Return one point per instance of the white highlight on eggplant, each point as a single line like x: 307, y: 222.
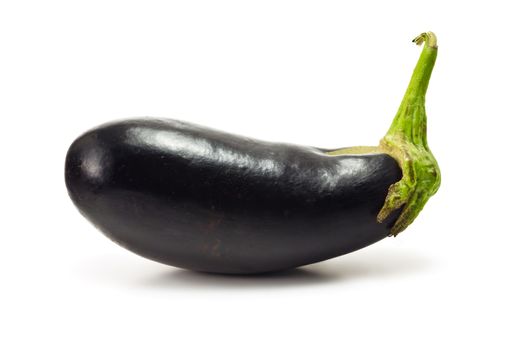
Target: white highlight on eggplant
x: 200, y: 150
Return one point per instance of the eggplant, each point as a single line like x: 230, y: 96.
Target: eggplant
x: 201, y: 199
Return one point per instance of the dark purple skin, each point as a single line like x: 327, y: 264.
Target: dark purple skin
x: 205, y: 200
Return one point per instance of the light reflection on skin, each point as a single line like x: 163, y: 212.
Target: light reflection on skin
x: 349, y: 167
x: 194, y: 148
x: 94, y: 164
x: 187, y: 144
x: 329, y: 178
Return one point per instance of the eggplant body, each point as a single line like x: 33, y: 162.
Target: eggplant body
x: 205, y: 200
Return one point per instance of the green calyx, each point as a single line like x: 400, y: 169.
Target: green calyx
x: 406, y: 142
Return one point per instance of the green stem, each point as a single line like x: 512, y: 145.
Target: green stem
x: 405, y: 122
x: 406, y: 141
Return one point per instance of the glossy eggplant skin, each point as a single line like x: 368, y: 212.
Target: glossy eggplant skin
x: 205, y: 200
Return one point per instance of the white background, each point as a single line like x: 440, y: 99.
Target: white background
x: 324, y: 73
